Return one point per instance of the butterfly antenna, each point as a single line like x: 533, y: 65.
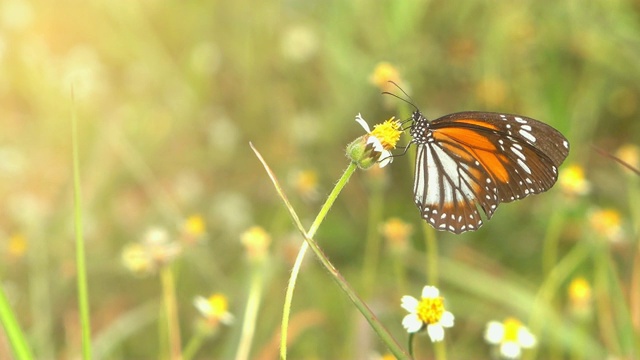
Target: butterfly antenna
x: 410, y: 101
x: 616, y: 159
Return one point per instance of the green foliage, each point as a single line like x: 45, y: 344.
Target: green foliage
x: 168, y: 95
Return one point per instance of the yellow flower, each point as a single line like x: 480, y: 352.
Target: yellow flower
x: 137, y: 259
x: 580, y: 296
x: 383, y: 74
x: 607, y: 223
x: 306, y: 184
x: 215, y: 309
x: 573, y: 182
x: 630, y: 154
x: 427, y: 312
x: 194, y: 229
x: 397, y: 233
x: 154, y: 251
x: 511, y: 335
x: 375, y: 146
x: 17, y: 245
x: 256, y: 240
x: 299, y: 43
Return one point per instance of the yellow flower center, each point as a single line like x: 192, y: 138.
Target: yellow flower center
x: 430, y: 310
x: 219, y: 305
x: 629, y: 154
x: 383, y: 73
x: 573, y: 181
x: 397, y: 232
x: 579, y: 290
x: 195, y: 225
x: 511, y: 328
x: 256, y: 240
x: 606, y: 222
x: 17, y: 245
x: 388, y: 133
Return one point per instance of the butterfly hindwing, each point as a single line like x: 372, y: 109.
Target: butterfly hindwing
x: 472, y: 159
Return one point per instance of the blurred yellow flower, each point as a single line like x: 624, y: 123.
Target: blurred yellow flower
x: 511, y: 336
x: 607, y: 223
x: 629, y: 154
x: 387, y: 356
x: 256, y: 240
x: 305, y: 182
x: 17, y: 245
x: 137, y: 260
x: 153, y: 252
x: 397, y: 233
x: 194, y: 229
x: 214, y: 309
x: 383, y: 73
x: 299, y: 43
x: 573, y: 182
x: 580, y: 297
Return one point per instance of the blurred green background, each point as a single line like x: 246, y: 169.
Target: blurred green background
x: 168, y: 95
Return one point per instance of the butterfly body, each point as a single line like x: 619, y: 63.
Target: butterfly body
x: 468, y: 160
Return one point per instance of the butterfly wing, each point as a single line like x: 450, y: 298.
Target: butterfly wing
x: 476, y: 158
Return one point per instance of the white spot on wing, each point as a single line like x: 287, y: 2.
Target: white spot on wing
x: 518, y: 153
x: 527, y: 135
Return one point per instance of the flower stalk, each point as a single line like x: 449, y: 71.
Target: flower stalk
x: 392, y: 344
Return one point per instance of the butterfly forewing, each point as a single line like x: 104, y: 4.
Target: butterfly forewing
x: 470, y: 159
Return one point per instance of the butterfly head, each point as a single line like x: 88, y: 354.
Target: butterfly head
x: 419, y: 126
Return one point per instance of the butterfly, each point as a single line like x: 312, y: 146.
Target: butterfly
x: 476, y: 159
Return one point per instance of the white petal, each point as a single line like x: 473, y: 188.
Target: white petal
x: 387, y: 158
x: 412, y: 323
x: 510, y: 350
x: 377, y: 145
x: 409, y: 303
x: 430, y: 292
x: 447, y: 319
x: 363, y: 123
x: 203, y: 306
x: 494, y: 332
x: 436, y: 332
x: 526, y: 338
x: 227, y: 318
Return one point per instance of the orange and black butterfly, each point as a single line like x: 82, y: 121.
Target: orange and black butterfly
x: 470, y: 159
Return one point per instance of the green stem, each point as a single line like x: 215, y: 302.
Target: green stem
x: 410, y: 343
x: 303, y: 249
x: 551, y: 241
x: 251, y: 311
x: 171, y: 310
x: 440, y: 350
x: 431, y: 245
x: 193, y: 345
x: 83, y: 293
x: 551, y: 285
x: 384, y: 335
x: 12, y: 330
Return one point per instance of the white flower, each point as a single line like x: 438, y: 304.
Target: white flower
x: 428, y: 311
x: 511, y: 335
x: 214, y: 309
x: 385, y: 155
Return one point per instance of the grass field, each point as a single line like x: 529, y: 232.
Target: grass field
x: 180, y: 247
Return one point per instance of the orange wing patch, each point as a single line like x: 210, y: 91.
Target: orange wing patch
x: 477, y: 123
x: 477, y: 147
